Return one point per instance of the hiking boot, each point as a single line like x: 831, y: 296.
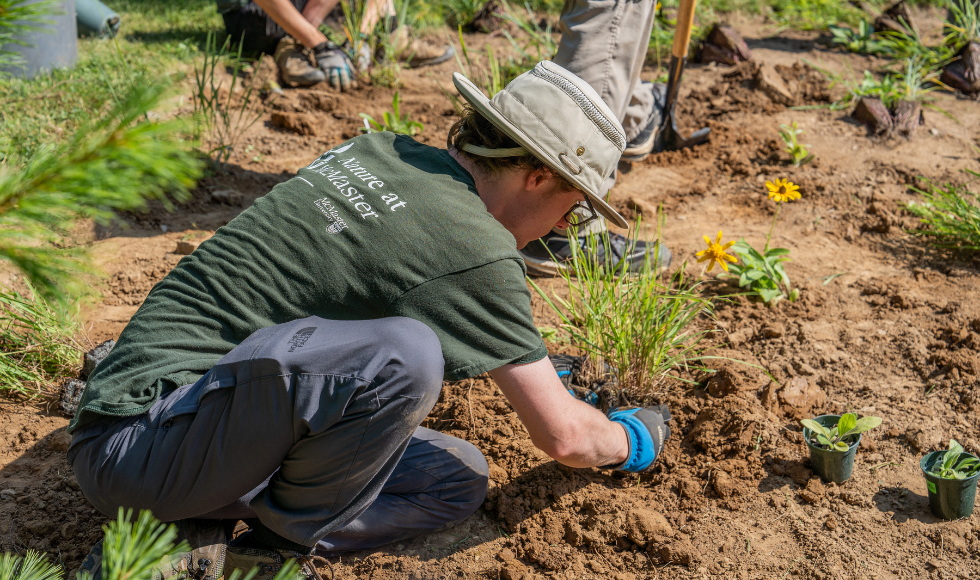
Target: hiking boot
x: 205, y: 561
x: 268, y: 560
x: 417, y: 52
x: 642, y: 145
x: 550, y: 255
x: 296, y: 66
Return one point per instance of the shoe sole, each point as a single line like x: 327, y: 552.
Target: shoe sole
x: 432, y: 61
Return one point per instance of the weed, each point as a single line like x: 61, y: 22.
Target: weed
x: 357, y: 42
x: 392, y: 121
x: 964, y: 26
x: 222, y: 123
x: 951, y: 466
x: 916, y: 79
x: 37, y: 342
x: 813, y: 14
x: 763, y: 272
x: 800, y: 154
x: 624, y: 316
x: 951, y: 214
x: 848, y: 426
x: 460, y: 12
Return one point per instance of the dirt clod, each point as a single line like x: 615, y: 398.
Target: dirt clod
x: 873, y: 113
x: 772, y: 84
x: 644, y: 526
x: 302, y: 123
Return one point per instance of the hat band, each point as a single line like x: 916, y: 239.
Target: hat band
x: 486, y: 152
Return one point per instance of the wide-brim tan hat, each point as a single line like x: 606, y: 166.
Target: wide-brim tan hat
x: 560, y: 119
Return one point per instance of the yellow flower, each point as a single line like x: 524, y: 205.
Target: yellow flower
x: 716, y: 253
x: 782, y: 190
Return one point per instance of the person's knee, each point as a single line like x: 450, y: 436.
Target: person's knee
x: 414, y: 356
x: 473, y: 487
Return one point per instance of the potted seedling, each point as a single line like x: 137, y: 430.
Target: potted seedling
x: 951, y: 477
x: 833, y: 440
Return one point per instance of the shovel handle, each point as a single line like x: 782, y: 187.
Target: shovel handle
x: 682, y: 30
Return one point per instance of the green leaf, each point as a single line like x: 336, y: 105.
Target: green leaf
x: 824, y: 440
x: 954, y: 445
x: 768, y: 295
x: 847, y: 422
x: 776, y: 252
x: 817, y: 428
x: 754, y: 275
x: 841, y: 446
x: 866, y: 424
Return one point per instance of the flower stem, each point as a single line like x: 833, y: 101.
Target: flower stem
x: 778, y: 205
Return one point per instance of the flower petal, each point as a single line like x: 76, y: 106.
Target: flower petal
x: 707, y: 240
x: 718, y: 241
x: 723, y: 265
x: 728, y: 245
x: 703, y: 258
x: 701, y: 253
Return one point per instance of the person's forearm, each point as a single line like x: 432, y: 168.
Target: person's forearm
x: 589, y: 439
x: 316, y: 10
x: 295, y: 25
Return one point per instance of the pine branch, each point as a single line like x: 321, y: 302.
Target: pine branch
x: 17, y: 17
x: 113, y: 164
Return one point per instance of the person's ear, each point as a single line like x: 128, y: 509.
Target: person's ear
x: 537, y: 178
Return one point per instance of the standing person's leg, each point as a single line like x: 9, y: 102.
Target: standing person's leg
x: 605, y: 43
x: 328, y: 407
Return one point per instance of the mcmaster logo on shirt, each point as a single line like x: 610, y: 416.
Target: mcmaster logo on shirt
x: 300, y: 338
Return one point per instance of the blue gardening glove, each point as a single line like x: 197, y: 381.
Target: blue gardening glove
x: 568, y: 368
x: 647, y: 430
x: 336, y: 65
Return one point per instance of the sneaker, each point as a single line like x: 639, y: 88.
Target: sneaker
x: 642, y: 145
x: 296, y: 66
x: 268, y: 561
x: 417, y: 52
x: 209, y: 539
x: 549, y: 255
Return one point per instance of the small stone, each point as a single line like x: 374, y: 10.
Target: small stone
x: 94, y: 357
x: 644, y: 526
x: 7, y: 495
x: 677, y: 552
x: 772, y: 84
x: 506, y: 555
x: 186, y: 248
x: 71, y: 394
x: 230, y: 197
x: 774, y: 330
x: 724, y: 485
x: 831, y: 523
x: 60, y: 441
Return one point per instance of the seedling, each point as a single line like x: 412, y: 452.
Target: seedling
x: 847, y: 427
x: 948, y: 468
x: 950, y: 214
x: 392, y: 121
x: 800, y: 153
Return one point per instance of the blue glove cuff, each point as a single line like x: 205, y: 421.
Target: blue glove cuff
x: 642, y: 451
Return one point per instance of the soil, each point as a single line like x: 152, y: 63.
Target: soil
x: 886, y: 325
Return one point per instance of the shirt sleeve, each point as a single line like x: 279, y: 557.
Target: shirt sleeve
x: 482, y: 317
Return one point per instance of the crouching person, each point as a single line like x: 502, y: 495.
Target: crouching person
x: 279, y: 374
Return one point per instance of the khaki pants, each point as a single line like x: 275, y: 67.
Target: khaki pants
x: 605, y: 43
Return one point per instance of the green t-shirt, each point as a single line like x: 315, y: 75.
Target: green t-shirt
x: 380, y: 226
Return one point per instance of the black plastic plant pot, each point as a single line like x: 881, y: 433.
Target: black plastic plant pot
x: 835, y: 466
x: 949, y: 499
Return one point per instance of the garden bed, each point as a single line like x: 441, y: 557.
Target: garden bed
x: 885, y: 325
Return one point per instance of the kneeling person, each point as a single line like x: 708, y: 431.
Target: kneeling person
x: 279, y: 374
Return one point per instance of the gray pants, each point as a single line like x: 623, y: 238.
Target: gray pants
x: 312, y: 427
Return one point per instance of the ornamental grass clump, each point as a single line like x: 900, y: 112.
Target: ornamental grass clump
x: 626, y: 317
x: 762, y: 273
x: 950, y: 214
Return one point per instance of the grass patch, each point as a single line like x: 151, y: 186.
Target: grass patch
x: 627, y: 318
x: 38, y: 347
x: 950, y: 214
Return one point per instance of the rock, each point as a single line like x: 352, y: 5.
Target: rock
x: 677, y: 552
x: 801, y: 395
x: 60, y: 441
x: 230, y: 197
x: 898, y: 19
x: 872, y: 112
x: 724, y: 45
x: 963, y: 74
x: 924, y: 439
x: 773, y: 330
x: 799, y: 474
x: 723, y: 383
x: 318, y: 101
x: 302, y: 123
x: 8, y: 495
x: 724, y: 485
x: 71, y: 394
x: 831, y: 523
x: 185, y: 248
x: 644, y: 526
x: 907, y: 117
x: 772, y: 84
x: 645, y: 208
x: 93, y: 357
